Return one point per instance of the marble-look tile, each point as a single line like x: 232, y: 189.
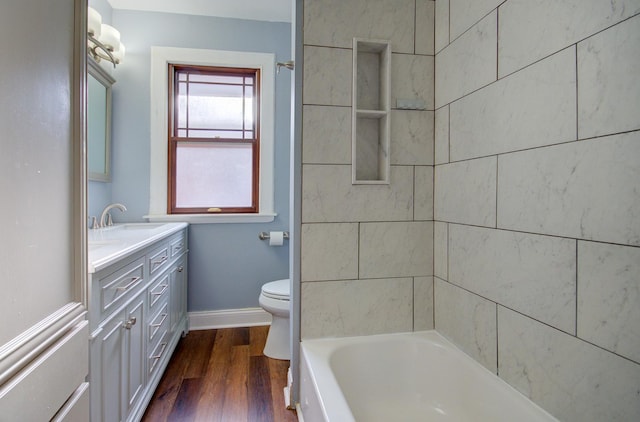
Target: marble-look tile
x: 441, y: 135
x: 327, y: 76
x: 369, y: 83
x: 423, y: 193
x: 412, y: 78
x: 609, y: 297
x: 425, y: 20
x: 422, y: 303
x: 335, y: 23
x: 571, y: 379
x: 329, y: 251
x: 411, y: 137
x: 326, y: 135
x: 532, y: 274
x: 397, y: 249
x: 608, y: 83
x: 356, y: 307
x: 441, y: 250
x: 586, y: 190
x: 533, y: 107
x: 468, y: 63
x: 465, y: 192
x: 329, y: 196
x: 441, y: 36
x: 466, y: 13
x: 369, y: 148
x: 469, y: 321
x: 530, y: 30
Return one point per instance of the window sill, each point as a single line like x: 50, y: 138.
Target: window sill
x: 212, y: 218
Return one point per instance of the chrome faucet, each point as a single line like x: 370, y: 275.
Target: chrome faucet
x: 105, y: 218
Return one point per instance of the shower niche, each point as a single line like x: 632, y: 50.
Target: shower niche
x: 371, y: 111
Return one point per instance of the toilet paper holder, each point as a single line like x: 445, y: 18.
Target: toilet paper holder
x: 265, y: 235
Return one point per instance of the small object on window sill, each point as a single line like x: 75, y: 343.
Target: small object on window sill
x: 215, y: 209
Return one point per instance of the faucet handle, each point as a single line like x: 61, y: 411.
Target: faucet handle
x: 109, y: 219
x: 94, y: 223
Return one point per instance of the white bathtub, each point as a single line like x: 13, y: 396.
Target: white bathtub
x: 403, y: 377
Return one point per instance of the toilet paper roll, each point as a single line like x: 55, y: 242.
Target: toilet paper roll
x: 276, y: 238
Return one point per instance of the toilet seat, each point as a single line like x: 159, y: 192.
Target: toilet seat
x: 278, y: 289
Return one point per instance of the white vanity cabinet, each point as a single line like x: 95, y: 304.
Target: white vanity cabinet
x: 137, y: 314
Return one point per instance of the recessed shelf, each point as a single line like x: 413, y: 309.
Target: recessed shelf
x: 371, y: 111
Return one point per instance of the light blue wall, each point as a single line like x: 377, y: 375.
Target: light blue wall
x: 227, y: 262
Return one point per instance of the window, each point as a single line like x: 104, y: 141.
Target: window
x: 214, y: 139
x: 160, y: 124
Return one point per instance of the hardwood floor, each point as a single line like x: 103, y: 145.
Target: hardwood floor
x: 222, y: 375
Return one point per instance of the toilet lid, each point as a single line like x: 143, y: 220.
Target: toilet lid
x: 278, y: 289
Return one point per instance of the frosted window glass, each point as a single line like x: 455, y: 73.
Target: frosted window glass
x: 215, y: 106
x: 206, y: 172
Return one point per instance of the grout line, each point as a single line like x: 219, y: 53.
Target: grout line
x: 497, y: 43
x: 497, y: 343
x: 449, y: 41
x: 576, y: 327
x: 415, y: 24
x: 413, y: 182
x: 449, y: 133
x: 358, y: 251
x: 433, y: 300
x: 547, y: 146
x: 497, y: 179
x: 577, y: 99
x: 413, y: 303
x: 448, y: 250
x: 538, y: 234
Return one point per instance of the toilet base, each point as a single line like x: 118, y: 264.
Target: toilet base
x: 277, y: 345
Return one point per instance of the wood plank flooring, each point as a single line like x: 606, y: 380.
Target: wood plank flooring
x: 222, y: 375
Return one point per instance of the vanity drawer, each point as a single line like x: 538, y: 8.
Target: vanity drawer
x: 158, y: 353
x: 118, y: 285
x: 158, y: 293
x: 158, y: 259
x: 159, y: 324
x: 178, y: 245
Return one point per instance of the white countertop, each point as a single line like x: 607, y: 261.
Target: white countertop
x: 107, y: 245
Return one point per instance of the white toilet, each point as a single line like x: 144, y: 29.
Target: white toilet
x: 274, y: 299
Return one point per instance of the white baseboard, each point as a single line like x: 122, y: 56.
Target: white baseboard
x: 228, y: 318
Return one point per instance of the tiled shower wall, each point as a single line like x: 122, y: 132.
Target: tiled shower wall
x: 366, y: 250
x: 537, y: 197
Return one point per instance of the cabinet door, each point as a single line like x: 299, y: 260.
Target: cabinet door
x: 178, y: 294
x: 134, y: 352
x: 112, y: 366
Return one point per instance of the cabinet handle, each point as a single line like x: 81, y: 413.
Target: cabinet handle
x: 164, y: 316
x: 159, y: 261
x: 180, y: 268
x: 159, y: 355
x: 164, y: 289
x: 130, y: 323
x: 133, y: 281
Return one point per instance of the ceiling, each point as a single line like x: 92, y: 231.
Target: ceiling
x: 262, y: 10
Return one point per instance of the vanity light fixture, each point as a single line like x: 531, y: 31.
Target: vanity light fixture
x: 103, y: 41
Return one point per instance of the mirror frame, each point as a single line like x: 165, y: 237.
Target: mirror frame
x: 106, y: 80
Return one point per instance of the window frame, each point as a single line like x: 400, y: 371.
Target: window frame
x: 159, y: 127
x: 173, y: 140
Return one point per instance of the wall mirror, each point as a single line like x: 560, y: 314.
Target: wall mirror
x: 99, y: 85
